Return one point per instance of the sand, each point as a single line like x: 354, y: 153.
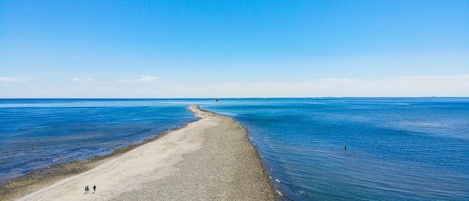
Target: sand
x: 209, y: 159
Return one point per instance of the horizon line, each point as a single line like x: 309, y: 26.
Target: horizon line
x: 169, y: 98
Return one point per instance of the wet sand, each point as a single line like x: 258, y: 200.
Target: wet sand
x: 209, y: 159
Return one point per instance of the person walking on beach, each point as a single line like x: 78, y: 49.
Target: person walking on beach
x: 86, y: 189
x: 94, y: 188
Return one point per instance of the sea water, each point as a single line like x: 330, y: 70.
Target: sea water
x: 360, y: 148
x: 38, y: 133
x: 312, y: 148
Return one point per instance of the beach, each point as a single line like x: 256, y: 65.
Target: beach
x: 209, y: 159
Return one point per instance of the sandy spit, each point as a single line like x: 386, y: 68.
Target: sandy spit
x: 209, y: 159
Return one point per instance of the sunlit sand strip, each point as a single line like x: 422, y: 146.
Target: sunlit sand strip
x: 209, y: 159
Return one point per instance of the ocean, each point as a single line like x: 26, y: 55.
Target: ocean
x: 360, y: 148
x: 38, y: 133
x: 312, y: 148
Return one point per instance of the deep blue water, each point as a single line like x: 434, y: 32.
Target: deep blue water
x: 35, y: 134
x: 397, y: 148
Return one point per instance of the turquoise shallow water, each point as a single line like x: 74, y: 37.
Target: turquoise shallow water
x: 397, y: 148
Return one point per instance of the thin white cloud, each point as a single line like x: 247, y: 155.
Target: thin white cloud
x: 84, y: 81
x: 147, y: 78
x: 139, y: 79
x: 410, y: 86
x: 5, y: 79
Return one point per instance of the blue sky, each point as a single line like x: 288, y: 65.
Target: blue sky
x: 233, y: 48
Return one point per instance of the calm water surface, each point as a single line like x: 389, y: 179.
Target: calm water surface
x: 35, y: 134
x: 397, y: 149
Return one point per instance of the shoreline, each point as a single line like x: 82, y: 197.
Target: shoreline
x: 277, y: 193
x: 35, y: 180
x: 197, y: 157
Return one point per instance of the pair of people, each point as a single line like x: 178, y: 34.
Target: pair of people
x: 87, y: 189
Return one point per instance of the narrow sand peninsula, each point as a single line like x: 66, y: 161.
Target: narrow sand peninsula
x: 209, y: 159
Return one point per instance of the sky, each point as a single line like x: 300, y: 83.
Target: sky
x: 236, y: 48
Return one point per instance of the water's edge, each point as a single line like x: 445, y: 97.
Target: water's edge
x: 37, y: 179
x: 258, y: 157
